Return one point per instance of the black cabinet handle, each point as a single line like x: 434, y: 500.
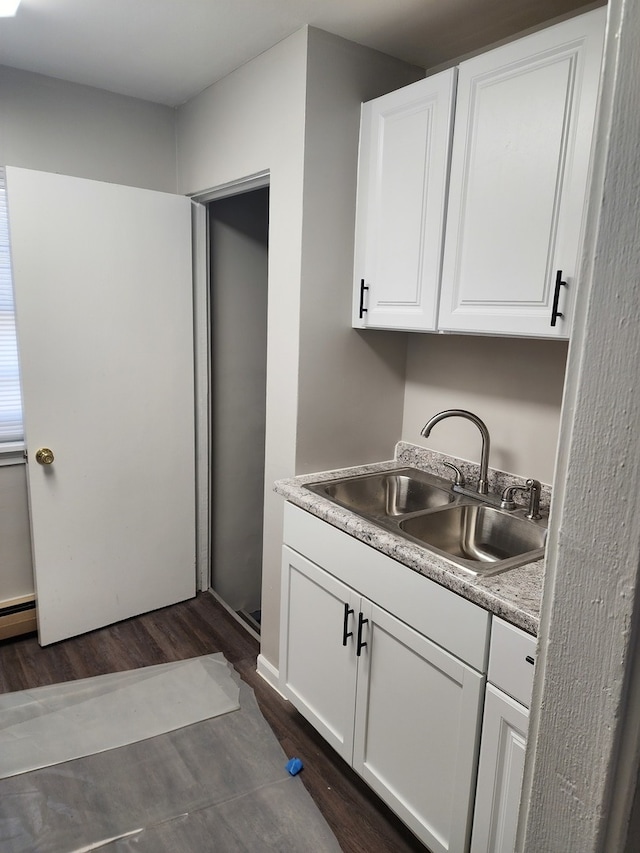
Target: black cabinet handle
x: 363, y: 310
x: 345, y: 625
x: 530, y: 660
x: 361, y: 623
x: 556, y: 296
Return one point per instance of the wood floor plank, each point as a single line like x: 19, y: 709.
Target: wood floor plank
x: 359, y: 820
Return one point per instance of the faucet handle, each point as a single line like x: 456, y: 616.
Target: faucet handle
x: 533, y: 488
x: 459, y: 480
x: 507, y: 501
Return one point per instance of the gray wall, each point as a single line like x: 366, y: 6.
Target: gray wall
x: 291, y: 113
x: 16, y: 571
x: 514, y: 385
x: 294, y: 111
x: 55, y: 126
x: 239, y: 230
x: 249, y: 122
x: 343, y: 373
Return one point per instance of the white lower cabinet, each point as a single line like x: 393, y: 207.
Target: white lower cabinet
x: 400, y: 708
x: 504, y: 739
x: 319, y: 672
x: 416, y: 720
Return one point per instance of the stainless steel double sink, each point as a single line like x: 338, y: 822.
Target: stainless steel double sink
x: 422, y: 508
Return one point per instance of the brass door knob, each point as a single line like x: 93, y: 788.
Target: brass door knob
x: 44, y: 456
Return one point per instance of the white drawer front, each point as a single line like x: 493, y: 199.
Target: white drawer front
x: 511, y: 660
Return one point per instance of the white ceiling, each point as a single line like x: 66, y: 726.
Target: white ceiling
x: 169, y: 50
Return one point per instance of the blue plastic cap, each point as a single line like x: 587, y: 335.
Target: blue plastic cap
x: 293, y: 766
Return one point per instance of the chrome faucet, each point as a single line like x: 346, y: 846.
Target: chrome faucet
x: 482, y: 487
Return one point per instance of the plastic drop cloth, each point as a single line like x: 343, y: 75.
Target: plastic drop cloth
x: 52, y: 724
x: 215, y: 785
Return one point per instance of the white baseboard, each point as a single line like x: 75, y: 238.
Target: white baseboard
x: 270, y: 674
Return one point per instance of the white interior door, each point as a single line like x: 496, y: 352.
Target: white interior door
x: 104, y: 310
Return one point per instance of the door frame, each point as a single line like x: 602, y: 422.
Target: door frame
x: 202, y: 358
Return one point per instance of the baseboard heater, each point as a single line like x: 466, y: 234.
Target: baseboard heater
x: 17, y: 616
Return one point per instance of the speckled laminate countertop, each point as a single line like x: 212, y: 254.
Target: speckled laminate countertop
x: 514, y: 595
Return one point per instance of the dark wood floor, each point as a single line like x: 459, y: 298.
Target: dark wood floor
x: 361, y: 823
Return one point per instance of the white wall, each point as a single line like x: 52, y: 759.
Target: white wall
x: 514, y: 385
x: 54, y: 126
x: 50, y: 125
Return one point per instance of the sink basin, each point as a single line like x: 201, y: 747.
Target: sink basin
x: 422, y: 508
x: 391, y: 493
x: 480, y: 538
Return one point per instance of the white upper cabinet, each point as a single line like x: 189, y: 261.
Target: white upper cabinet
x: 518, y: 179
x: 519, y: 172
x: 405, y: 139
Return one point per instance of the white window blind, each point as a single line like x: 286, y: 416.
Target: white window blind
x: 10, y: 398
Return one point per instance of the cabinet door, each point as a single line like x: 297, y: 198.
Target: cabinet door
x: 504, y: 736
x: 402, y: 183
x: 416, y: 730
x: 317, y: 649
x: 519, y: 172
